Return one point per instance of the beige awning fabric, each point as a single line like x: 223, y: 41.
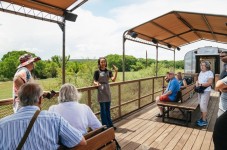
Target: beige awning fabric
x: 178, y: 28
x: 56, y: 7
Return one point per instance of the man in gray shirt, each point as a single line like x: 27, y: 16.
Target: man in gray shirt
x: 221, y: 85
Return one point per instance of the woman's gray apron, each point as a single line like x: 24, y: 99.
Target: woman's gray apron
x: 104, y: 89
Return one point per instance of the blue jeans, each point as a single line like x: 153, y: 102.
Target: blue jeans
x: 105, y: 114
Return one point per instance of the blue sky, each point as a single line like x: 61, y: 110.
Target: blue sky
x: 104, y: 7
x: 98, y: 29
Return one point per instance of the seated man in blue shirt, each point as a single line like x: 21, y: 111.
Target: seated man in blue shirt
x: 170, y: 92
x: 48, y: 130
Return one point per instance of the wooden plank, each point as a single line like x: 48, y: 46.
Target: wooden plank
x: 156, y: 135
x: 176, y: 139
x: 214, y: 114
x: 191, y: 140
x: 111, y: 146
x: 183, y: 139
x: 144, y: 132
x: 94, y: 132
x: 127, y: 127
x: 151, y: 132
x: 98, y: 141
x: 212, y: 145
x: 123, y: 137
x: 207, y: 141
x: 165, y: 142
x: 128, y: 138
x: 199, y: 140
x: 131, y: 146
x: 161, y: 138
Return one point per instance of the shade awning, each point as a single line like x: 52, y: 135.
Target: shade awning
x: 177, y: 28
x: 55, y: 7
x: 48, y: 10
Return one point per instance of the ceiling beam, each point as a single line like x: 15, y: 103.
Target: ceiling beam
x: 175, y: 35
x: 209, y: 27
x: 187, y: 24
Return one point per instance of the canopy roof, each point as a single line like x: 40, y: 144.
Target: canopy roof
x: 48, y: 10
x: 177, y: 28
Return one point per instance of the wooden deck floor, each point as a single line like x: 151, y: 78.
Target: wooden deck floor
x: 143, y: 131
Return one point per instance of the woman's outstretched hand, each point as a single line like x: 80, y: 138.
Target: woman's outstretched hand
x: 115, y: 68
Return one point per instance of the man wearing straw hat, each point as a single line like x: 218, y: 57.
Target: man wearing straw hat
x: 23, y: 75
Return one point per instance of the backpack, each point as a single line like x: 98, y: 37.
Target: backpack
x: 188, y: 80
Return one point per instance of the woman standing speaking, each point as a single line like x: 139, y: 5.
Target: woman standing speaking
x: 101, y: 79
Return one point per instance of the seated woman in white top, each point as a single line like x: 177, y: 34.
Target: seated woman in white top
x: 80, y: 116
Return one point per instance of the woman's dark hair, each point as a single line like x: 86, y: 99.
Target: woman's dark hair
x: 100, y: 60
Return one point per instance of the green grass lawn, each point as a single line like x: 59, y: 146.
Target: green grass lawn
x: 6, y: 88
x: 55, y: 83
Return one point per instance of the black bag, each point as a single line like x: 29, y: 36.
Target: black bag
x: 199, y: 89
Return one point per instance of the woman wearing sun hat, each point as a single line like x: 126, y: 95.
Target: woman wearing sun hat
x: 23, y: 75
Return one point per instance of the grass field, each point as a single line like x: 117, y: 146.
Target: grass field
x: 55, y: 83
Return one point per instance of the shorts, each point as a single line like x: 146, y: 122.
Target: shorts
x: 164, y: 98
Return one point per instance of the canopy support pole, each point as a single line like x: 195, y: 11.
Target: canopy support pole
x: 174, y: 60
x: 63, y: 53
x: 123, y: 59
x: 62, y: 26
x: 156, y: 69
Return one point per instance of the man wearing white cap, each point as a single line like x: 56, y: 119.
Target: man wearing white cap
x: 23, y: 75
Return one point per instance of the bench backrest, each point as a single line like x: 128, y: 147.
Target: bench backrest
x: 187, y: 92
x: 101, y: 138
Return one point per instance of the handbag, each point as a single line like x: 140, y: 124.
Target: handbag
x: 19, y: 147
x: 199, y: 89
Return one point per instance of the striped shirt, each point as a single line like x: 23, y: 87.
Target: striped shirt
x: 48, y: 130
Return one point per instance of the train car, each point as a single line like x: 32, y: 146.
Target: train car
x: 193, y: 58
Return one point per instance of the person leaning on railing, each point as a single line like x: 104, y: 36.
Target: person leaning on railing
x: 23, y: 75
x: 80, y: 116
x: 48, y: 131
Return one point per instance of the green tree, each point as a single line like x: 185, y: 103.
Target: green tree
x: 10, y: 62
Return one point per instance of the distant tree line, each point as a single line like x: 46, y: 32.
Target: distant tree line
x: 74, y: 69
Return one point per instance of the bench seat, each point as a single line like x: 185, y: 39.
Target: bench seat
x: 186, y: 104
x: 102, y: 138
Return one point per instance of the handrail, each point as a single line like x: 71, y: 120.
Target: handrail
x: 127, y: 96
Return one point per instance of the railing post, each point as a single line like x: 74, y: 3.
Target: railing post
x: 119, y: 100
x: 153, y: 89
x: 89, y: 99
x: 139, y: 95
x: 163, y: 84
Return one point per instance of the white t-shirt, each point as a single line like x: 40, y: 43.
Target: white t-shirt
x: 80, y: 116
x: 204, y: 77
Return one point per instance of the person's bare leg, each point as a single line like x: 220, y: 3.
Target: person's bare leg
x: 204, y: 114
x: 160, y: 108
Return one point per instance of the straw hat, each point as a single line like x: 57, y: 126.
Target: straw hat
x: 27, y: 59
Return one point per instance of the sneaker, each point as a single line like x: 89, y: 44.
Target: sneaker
x: 198, y: 121
x: 202, y: 123
x: 158, y: 115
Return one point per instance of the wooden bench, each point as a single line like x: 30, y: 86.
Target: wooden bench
x: 187, y: 103
x: 102, y: 139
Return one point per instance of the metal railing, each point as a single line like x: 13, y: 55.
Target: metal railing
x: 127, y: 97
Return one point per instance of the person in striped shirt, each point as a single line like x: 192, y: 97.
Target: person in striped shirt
x: 49, y: 130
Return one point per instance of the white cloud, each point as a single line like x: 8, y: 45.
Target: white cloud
x: 94, y: 36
